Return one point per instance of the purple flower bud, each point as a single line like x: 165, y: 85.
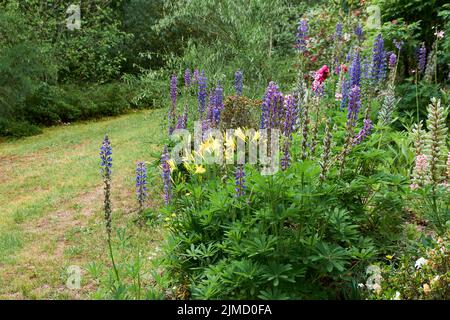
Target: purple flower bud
x: 166, y: 175
x: 202, y: 83
x: 141, y: 183
x: 196, y: 76
x: 240, y: 181
x: 364, y: 132
x: 392, y: 59
x: 398, y: 44
x: 338, y: 33
x: 302, y: 35
x: 182, y: 120
x: 422, y: 58
x: 378, y: 60
x: 173, y: 97
x: 272, y: 107
x: 345, y: 90
x: 106, y: 157
x: 238, y: 82
x: 359, y: 32
x: 355, y: 70
x: 187, y: 78
x: 354, y: 104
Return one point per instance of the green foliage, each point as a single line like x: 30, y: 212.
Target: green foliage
x: 292, y: 236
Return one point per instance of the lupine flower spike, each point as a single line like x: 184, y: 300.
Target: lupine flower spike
x: 359, y: 32
x: 202, y: 83
x: 238, y: 82
x: 378, y: 69
x: 106, y: 164
x: 422, y: 59
x: 141, y: 184
x: 187, y: 78
x: 272, y: 107
x: 173, y: 99
x: 302, y: 36
x: 167, y: 181
x: 240, y: 181
x: 436, y: 140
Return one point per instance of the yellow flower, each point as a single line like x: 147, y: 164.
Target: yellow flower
x: 215, y: 145
x: 240, y: 134
x: 172, y: 165
x: 256, y: 136
x: 200, y: 169
x: 229, y: 142
x: 205, y: 146
x: 389, y: 257
x: 426, y: 288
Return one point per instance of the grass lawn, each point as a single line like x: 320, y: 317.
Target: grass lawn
x: 51, y: 202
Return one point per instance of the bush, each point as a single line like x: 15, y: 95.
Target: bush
x: 17, y: 129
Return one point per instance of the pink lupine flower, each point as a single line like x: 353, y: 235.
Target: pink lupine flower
x: 421, y: 164
x: 319, y: 78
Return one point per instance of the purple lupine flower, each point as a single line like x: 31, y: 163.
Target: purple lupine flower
x: 366, y: 68
x: 106, y: 164
x: 392, y: 59
x: 173, y: 98
x: 187, y: 78
x: 218, y: 104
x: 364, y: 132
x: 202, y: 83
x: 141, y: 184
x: 106, y: 157
x: 272, y: 107
x: 182, y: 120
x: 240, y: 181
x: 355, y: 71
x: 302, y: 35
x: 348, y: 56
x: 166, y: 175
x: 354, y: 104
x: 290, y: 115
x: 345, y: 90
x: 378, y: 60
x: 337, y: 68
x: 238, y: 82
x: 196, y: 76
x: 359, y: 32
x: 206, y: 125
x: 338, y: 32
x: 290, y: 120
x: 422, y: 58
x: 286, y: 158
x: 214, y: 108
x: 398, y: 44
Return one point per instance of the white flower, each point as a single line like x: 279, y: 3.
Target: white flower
x: 377, y: 288
x: 361, y: 285
x: 420, y: 262
x: 434, y: 281
x: 439, y: 34
x: 396, y: 296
